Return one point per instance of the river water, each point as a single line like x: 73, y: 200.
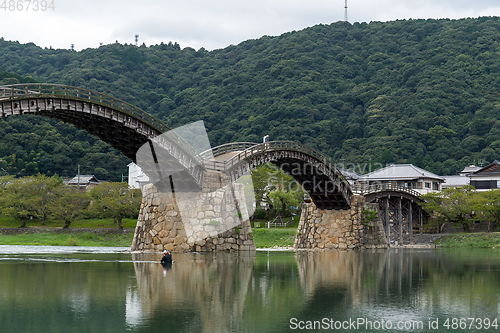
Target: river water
x: 74, y: 289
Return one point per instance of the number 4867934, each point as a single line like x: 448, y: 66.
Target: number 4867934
x: 27, y: 5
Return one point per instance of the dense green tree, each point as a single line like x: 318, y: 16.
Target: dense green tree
x: 115, y: 200
x: 452, y: 205
x: 69, y: 205
x: 486, y: 206
x: 282, y: 200
x: 20, y: 199
x: 44, y: 191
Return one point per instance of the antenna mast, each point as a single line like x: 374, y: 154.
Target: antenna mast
x: 345, y: 14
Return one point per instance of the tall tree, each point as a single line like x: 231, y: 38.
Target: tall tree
x: 19, y: 199
x: 115, y: 200
x: 453, y: 205
x: 69, y: 204
x: 45, y: 191
x: 486, y: 206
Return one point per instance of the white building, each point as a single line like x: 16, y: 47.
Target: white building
x: 136, y: 177
x: 455, y: 181
x: 462, y: 179
x: 404, y: 175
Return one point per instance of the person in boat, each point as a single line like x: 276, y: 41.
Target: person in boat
x: 167, y: 258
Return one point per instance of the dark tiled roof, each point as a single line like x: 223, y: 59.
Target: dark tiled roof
x: 493, y: 168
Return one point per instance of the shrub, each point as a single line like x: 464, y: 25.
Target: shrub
x: 260, y: 213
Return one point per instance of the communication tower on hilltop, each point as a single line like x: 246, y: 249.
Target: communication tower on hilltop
x: 345, y: 14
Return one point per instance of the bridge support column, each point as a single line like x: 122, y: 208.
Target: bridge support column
x: 177, y: 222
x: 339, y: 229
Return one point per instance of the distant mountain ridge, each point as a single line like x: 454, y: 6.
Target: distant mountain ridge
x: 412, y: 91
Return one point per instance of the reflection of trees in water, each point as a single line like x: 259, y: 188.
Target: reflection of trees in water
x: 275, y: 292
x: 466, y: 281
x: 419, y: 281
x: 348, y: 275
x: 63, y: 296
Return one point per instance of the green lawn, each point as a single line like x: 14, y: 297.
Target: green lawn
x: 65, y: 239
x: 68, y: 239
x: 263, y: 237
x: 279, y: 237
x: 475, y: 240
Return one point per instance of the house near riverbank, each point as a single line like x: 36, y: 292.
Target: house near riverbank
x: 84, y: 182
x: 404, y: 175
x: 486, y: 178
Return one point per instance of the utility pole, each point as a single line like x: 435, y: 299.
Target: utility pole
x: 345, y: 13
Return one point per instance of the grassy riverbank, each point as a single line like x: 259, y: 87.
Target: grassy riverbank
x: 51, y: 234
x: 274, y: 237
x: 264, y: 238
x: 69, y: 239
x: 474, y: 240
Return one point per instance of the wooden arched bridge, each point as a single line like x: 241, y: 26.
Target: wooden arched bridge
x: 128, y: 128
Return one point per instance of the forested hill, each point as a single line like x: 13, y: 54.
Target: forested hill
x: 420, y: 91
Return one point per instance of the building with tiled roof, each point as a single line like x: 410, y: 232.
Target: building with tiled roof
x: 86, y: 182
x: 486, y: 178
x: 406, y: 175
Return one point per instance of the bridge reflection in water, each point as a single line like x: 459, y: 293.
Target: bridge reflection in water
x: 242, y: 292
x: 262, y: 292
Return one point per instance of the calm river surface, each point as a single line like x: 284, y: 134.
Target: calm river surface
x: 66, y: 289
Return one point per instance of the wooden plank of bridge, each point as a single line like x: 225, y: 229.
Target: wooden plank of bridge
x: 409, y: 222
x: 420, y: 220
x: 400, y: 219
x: 386, y: 218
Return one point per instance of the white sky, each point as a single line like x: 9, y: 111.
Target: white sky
x: 210, y: 24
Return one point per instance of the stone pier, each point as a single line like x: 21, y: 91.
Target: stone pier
x: 215, y: 219
x: 339, y: 229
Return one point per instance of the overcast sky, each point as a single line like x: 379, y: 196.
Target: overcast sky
x: 211, y: 24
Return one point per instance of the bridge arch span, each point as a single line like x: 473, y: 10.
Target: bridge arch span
x: 115, y: 122
x: 399, y: 209
x: 325, y: 184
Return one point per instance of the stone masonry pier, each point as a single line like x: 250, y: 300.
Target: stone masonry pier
x: 215, y: 219
x: 339, y: 229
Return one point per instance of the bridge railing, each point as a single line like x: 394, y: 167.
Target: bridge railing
x: 278, y: 145
x: 18, y: 91
x: 254, y: 148
x: 227, y: 148
x: 365, y: 189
